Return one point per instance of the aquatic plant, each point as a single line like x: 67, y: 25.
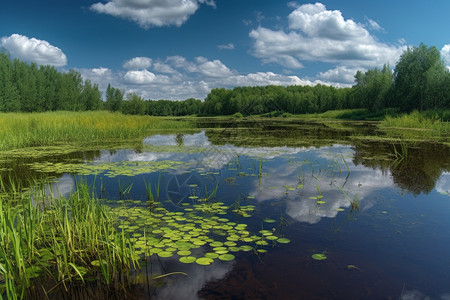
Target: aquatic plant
x: 319, y: 256
x: 61, y: 242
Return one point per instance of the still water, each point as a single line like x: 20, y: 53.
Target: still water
x: 376, y: 212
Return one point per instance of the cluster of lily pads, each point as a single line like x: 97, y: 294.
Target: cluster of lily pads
x: 109, y: 169
x: 198, y: 233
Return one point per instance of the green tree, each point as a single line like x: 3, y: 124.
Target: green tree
x: 415, y: 75
x: 134, y: 105
x: 90, y: 98
x: 372, y: 88
x: 9, y: 97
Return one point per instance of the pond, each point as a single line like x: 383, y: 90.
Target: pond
x: 283, y: 210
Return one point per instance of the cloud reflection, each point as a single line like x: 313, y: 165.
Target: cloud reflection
x: 322, y: 174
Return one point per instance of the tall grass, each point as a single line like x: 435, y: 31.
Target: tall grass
x: 416, y: 120
x: 60, y: 242
x: 19, y: 130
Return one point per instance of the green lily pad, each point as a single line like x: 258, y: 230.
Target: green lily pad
x: 187, y: 259
x: 211, y: 255
x: 226, y: 257
x: 283, y: 240
x: 269, y: 220
x: 204, y: 261
x: 165, y: 254
x: 246, y: 248
x: 319, y: 256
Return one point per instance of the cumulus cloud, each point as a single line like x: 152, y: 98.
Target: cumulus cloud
x: 34, y: 50
x: 139, y: 77
x: 320, y: 35
x: 316, y: 21
x: 213, y: 68
x: 138, y: 63
x: 340, y: 75
x: 228, y: 46
x: 151, y: 12
x: 163, y: 68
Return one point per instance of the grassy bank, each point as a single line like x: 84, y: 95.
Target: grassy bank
x: 19, y: 130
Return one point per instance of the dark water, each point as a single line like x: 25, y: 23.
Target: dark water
x: 394, y: 244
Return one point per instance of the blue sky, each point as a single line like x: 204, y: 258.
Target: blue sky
x: 176, y: 49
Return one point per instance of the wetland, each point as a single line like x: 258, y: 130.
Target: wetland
x: 250, y: 208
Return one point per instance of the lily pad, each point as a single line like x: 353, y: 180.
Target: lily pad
x: 204, y: 261
x: 187, y: 259
x: 226, y: 257
x: 283, y: 240
x: 319, y: 256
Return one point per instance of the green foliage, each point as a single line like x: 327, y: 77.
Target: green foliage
x: 418, y: 120
x: 372, y: 88
x: 421, y: 80
x: 114, y: 99
x: 30, y: 88
x: 134, y: 105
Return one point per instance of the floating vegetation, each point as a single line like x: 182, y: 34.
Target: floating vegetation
x: 177, y: 233
x: 124, y: 168
x: 319, y: 256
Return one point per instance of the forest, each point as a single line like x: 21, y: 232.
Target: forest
x: 419, y: 81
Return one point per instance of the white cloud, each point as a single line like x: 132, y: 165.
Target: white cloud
x: 374, y: 25
x: 316, y: 21
x: 138, y: 63
x: 402, y: 41
x: 320, y: 35
x: 293, y: 4
x: 445, y: 52
x: 267, y: 78
x: 163, y: 68
x: 228, y: 46
x: 101, y: 71
x: 34, y: 50
x: 152, y: 12
x: 139, y: 77
x: 341, y: 74
x: 213, y: 68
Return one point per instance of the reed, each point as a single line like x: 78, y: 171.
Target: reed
x: 19, y: 130
x: 60, y: 241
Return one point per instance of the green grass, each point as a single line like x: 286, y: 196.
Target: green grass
x: 417, y: 120
x: 18, y: 130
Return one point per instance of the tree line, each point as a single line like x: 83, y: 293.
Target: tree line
x: 420, y: 81
x: 29, y: 88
